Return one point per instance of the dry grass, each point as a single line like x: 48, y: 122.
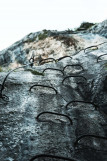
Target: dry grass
x: 69, y: 41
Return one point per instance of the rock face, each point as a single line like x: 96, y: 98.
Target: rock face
x: 100, y: 28
x: 48, y: 43
x: 61, y: 113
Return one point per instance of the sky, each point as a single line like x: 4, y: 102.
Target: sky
x: 21, y: 17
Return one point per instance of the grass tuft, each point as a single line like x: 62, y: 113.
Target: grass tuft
x: 35, y: 72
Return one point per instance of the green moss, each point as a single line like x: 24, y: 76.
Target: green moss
x: 35, y: 72
x: 105, y: 66
x: 1, y: 70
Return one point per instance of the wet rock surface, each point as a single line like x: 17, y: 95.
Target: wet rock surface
x: 62, y: 113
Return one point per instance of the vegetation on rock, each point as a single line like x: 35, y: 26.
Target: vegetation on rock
x: 43, y: 35
x: 69, y: 41
x: 1, y: 69
x: 35, y: 72
x: 85, y: 26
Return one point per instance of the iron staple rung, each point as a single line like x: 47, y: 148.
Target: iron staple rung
x: 54, y: 113
x: 51, y: 156
x: 53, y: 69
x: 43, y: 86
x: 3, y: 83
x: 84, y: 136
x: 78, y: 76
x: 96, y: 107
x: 100, y: 57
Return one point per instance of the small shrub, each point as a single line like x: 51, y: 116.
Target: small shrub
x: 69, y: 31
x: 85, y: 26
x: 30, y: 40
x: 43, y: 35
x: 69, y: 41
